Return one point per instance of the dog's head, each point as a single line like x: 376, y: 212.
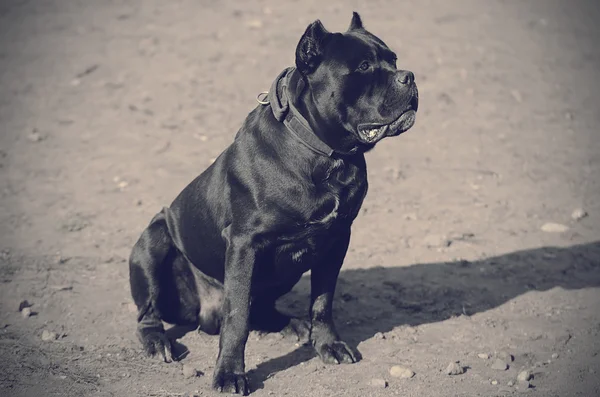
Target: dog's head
x: 354, y: 82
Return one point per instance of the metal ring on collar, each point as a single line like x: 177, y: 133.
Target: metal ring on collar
x: 262, y: 98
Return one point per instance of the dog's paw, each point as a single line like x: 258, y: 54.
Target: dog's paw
x: 336, y: 352
x: 156, y: 343
x: 229, y: 382
x: 297, y: 329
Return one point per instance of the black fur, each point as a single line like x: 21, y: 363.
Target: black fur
x: 268, y: 209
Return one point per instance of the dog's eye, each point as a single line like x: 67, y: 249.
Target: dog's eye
x: 364, y: 66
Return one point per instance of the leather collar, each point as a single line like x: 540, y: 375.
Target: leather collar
x: 286, y: 84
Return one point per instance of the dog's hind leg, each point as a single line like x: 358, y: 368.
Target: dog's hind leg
x: 162, y: 287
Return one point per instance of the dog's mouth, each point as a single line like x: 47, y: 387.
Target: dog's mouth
x: 373, y: 132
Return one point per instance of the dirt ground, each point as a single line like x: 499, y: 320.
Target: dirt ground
x: 109, y: 108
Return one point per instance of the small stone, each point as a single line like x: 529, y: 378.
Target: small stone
x: 506, y: 357
x: 48, y: 336
x: 35, y: 136
x: 523, y: 386
x: 436, y: 241
x: 26, y: 312
x: 578, y: 214
x: 255, y: 24
x: 23, y: 304
x: 524, y: 376
x: 379, y: 383
x: 398, y: 371
x: 189, y: 371
x: 411, y: 216
x: 379, y: 335
x: 554, y: 356
x: 162, y: 147
x: 552, y: 227
x: 500, y: 365
x: 455, y: 368
x: 484, y: 356
x: 494, y: 382
x: 511, y: 383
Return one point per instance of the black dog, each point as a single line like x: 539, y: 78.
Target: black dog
x: 276, y: 203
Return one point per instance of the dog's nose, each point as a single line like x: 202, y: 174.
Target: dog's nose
x: 405, y: 77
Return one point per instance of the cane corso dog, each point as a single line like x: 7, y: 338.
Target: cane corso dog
x: 279, y: 201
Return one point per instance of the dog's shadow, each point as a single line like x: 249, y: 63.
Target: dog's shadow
x: 379, y: 299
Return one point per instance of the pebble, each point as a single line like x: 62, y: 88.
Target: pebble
x: 554, y: 356
x: 500, y: 365
x: 379, y: 335
x: 494, y: 382
x: 524, y: 376
x: 552, y: 227
x: 436, y: 241
x: 523, y: 386
x: 578, y: 214
x: 189, y: 371
x: 455, y: 368
x: 35, y: 136
x: 411, y: 216
x: 26, y: 312
x: 399, y: 371
x: 506, y: 357
x: 511, y: 383
x: 484, y: 356
x: 255, y: 24
x: 48, y: 336
x: 379, y: 383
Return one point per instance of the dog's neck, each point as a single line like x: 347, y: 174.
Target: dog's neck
x: 333, y: 134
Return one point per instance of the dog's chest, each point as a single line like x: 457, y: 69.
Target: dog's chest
x: 338, y: 195
x: 333, y: 203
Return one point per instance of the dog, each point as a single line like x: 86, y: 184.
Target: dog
x: 279, y: 201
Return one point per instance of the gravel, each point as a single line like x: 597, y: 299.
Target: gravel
x: 454, y: 368
x: 189, y: 371
x: 578, y: 214
x: 26, y: 312
x: 399, y: 371
x: 500, y: 365
x: 378, y: 383
x: 552, y: 227
x: 524, y: 376
x: 49, y: 336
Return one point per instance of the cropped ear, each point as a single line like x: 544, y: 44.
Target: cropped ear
x: 310, y: 47
x: 356, y: 22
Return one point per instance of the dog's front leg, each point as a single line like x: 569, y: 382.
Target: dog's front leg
x: 323, y: 334
x: 229, y: 373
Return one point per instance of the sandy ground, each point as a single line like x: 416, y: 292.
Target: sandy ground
x: 109, y: 108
